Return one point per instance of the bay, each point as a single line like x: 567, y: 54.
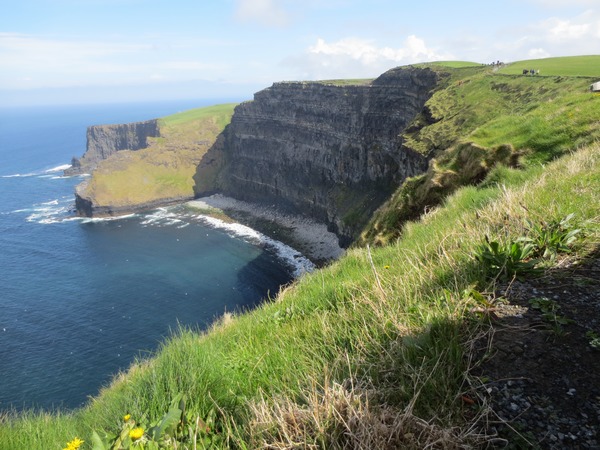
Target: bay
x: 80, y: 299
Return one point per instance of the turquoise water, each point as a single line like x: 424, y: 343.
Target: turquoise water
x: 80, y: 298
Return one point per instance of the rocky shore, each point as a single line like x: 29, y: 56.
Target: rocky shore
x: 309, y: 237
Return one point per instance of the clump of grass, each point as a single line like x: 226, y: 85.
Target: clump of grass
x: 551, y: 237
x: 342, y: 416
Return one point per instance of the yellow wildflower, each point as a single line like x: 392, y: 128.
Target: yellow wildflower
x: 126, y: 417
x: 386, y: 267
x: 136, y: 433
x: 74, y: 444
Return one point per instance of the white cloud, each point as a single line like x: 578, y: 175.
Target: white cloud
x: 28, y: 61
x: 355, y: 57
x: 564, y: 36
x: 537, y: 53
x: 264, y: 12
x: 560, y: 35
x: 559, y: 30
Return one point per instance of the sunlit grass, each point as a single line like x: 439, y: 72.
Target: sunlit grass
x: 566, y: 66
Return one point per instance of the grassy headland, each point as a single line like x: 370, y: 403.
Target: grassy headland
x: 164, y: 170
x: 374, y: 350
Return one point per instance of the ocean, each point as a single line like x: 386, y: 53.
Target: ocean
x: 80, y: 299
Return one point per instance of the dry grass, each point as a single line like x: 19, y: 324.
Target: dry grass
x: 342, y: 416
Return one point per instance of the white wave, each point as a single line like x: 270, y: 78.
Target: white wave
x: 164, y: 217
x: 50, y: 214
x: 171, y: 217
x: 52, y: 211
x: 295, y: 259
x: 21, y: 175
x: 44, y: 173
x: 60, y: 168
x: 104, y: 219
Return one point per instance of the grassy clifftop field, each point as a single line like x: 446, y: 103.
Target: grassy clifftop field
x: 164, y: 170
x: 381, y: 349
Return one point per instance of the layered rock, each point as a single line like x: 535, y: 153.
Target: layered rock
x: 328, y: 151
x: 105, y: 140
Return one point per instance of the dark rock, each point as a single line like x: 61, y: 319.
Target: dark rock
x: 105, y: 140
x: 331, y: 152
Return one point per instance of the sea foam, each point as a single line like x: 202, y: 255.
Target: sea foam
x: 295, y: 259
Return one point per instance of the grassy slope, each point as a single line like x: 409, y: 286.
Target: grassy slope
x: 482, y: 118
x: 165, y: 169
x: 388, y: 324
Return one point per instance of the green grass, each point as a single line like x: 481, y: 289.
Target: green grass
x: 220, y: 113
x: 566, y: 66
x: 455, y: 64
x: 347, y: 82
x: 380, y: 336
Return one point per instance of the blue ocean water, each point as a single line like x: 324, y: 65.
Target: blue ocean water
x: 81, y: 298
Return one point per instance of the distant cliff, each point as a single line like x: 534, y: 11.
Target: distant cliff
x: 332, y: 152
x: 105, y: 140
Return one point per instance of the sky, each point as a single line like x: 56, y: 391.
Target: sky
x: 99, y: 51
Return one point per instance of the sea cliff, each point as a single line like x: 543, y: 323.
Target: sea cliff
x: 329, y: 151
x: 105, y: 140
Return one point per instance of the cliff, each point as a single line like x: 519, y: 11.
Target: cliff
x: 105, y: 140
x: 332, y: 152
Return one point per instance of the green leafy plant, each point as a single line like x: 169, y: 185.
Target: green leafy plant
x: 484, y: 305
x: 594, y: 339
x: 549, y: 309
x: 552, y: 237
x: 507, y: 260
x: 173, y: 430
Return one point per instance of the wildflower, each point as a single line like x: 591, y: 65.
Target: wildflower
x: 136, y: 433
x: 126, y: 417
x: 386, y: 267
x: 74, y: 444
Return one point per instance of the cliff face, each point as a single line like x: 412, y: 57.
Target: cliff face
x: 105, y: 140
x: 331, y: 152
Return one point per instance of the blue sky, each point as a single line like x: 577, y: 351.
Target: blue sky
x: 85, y: 51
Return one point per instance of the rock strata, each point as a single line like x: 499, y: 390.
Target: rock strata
x: 331, y: 152
x: 105, y: 140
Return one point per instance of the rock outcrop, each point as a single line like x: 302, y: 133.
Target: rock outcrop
x: 331, y: 152
x: 105, y: 140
